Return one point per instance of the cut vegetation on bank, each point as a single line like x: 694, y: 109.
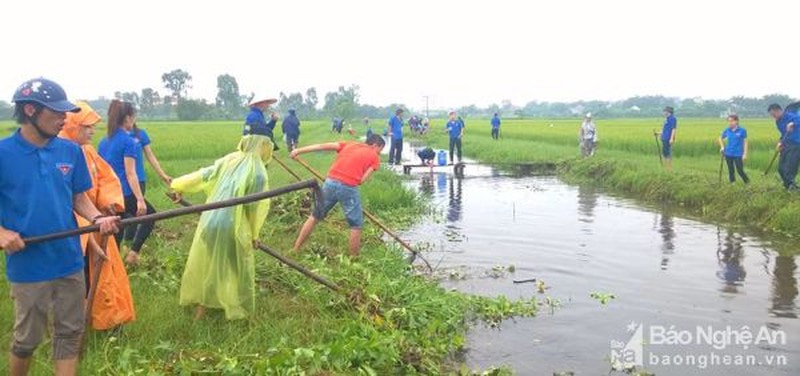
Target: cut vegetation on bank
x: 392, y: 321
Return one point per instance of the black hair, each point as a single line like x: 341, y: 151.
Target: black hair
x: 21, y: 117
x: 734, y: 117
x: 374, y: 139
x: 774, y: 107
x: 669, y: 109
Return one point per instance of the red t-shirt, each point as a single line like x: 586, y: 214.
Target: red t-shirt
x: 352, y: 162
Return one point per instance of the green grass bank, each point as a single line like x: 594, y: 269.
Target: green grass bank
x: 392, y: 321
x: 627, y: 162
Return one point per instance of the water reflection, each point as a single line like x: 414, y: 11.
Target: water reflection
x: 587, y: 201
x: 730, y: 254
x: 454, y: 200
x: 426, y: 184
x: 441, y: 182
x: 583, y: 239
x: 784, y: 287
x: 666, y: 227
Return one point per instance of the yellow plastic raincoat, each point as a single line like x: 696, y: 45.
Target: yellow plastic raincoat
x: 113, y: 301
x: 220, y: 271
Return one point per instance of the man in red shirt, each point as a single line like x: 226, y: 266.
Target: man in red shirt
x: 353, y: 165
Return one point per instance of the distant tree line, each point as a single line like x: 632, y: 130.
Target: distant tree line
x: 640, y: 106
x: 344, y: 103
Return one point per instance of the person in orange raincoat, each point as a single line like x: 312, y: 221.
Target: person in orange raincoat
x: 113, y: 303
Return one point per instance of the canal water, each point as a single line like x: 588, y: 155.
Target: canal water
x: 682, y: 297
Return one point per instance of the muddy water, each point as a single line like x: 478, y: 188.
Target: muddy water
x: 694, y: 289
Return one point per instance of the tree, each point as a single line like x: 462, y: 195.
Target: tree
x: 467, y: 111
x: 229, y: 101
x: 178, y: 82
x: 149, y: 100
x: 291, y: 101
x: 342, y: 103
x: 193, y: 109
x: 311, y: 102
x: 132, y: 97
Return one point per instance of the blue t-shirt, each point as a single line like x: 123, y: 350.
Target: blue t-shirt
x: 256, y: 123
x: 792, y: 137
x: 735, y: 145
x: 396, y: 126
x: 140, y: 139
x: 495, y: 122
x: 669, y: 126
x: 455, y: 127
x: 36, y: 192
x: 114, y: 150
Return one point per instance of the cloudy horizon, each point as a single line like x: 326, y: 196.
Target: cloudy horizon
x: 455, y: 54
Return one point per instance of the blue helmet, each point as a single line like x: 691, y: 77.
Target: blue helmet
x: 46, y: 93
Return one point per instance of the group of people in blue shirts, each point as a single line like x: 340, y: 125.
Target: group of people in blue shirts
x: 734, y: 151
x: 455, y: 128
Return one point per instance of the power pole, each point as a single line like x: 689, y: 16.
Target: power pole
x: 427, y: 115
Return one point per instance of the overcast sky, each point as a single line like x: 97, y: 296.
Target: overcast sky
x: 455, y: 52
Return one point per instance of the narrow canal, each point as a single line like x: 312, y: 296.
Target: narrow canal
x: 670, y: 278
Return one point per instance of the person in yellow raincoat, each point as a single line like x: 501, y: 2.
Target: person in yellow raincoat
x: 113, y: 302
x: 220, y: 271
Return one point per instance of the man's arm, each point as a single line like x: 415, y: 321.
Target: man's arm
x: 367, y: 174
x: 10, y: 241
x: 84, y: 207
x: 722, y: 144
x: 331, y: 146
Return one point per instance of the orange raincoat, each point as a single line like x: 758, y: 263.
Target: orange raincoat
x: 113, y: 302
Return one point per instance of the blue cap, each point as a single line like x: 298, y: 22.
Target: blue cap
x: 46, y: 93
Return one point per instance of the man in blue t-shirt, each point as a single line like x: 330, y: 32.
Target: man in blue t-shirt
x: 668, y: 136
x: 396, y: 135
x: 42, y: 180
x: 455, y: 127
x: 789, y: 145
x: 495, y: 126
x: 735, y: 151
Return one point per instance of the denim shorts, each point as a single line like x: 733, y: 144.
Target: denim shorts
x: 666, y: 149
x: 334, y: 191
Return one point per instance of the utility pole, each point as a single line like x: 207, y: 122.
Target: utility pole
x: 427, y: 115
